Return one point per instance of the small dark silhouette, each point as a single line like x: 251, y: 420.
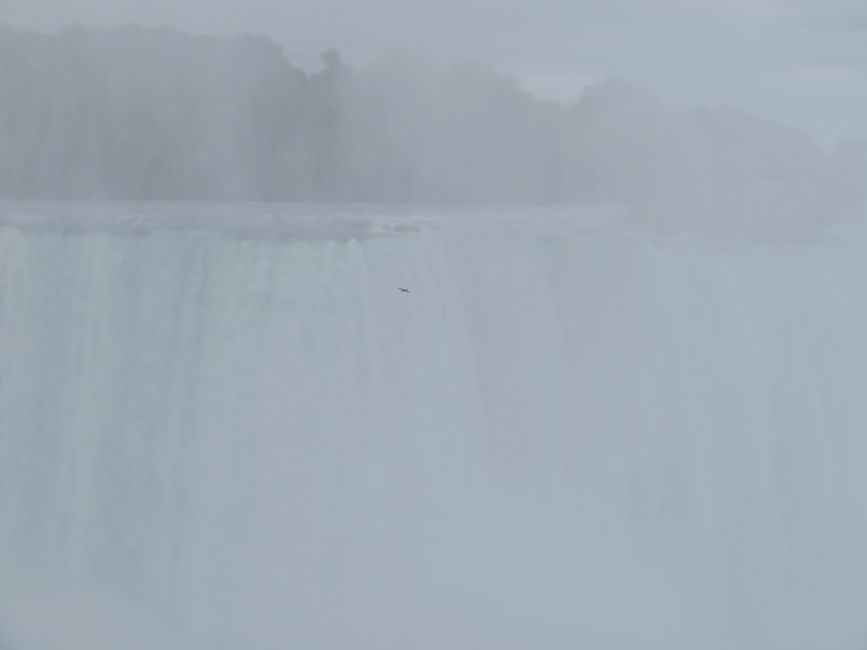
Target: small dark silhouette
x: 404, y: 290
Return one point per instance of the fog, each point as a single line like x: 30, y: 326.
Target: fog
x: 797, y: 61
x: 156, y: 114
x: 431, y: 336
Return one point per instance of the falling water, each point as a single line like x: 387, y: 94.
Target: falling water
x: 221, y: 431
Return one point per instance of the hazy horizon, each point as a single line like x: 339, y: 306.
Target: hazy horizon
x: 801, y: 63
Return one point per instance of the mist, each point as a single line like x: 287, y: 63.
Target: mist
x: 376, y: 348
x: 156, y: 114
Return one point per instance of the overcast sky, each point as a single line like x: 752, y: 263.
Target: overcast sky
x: 800, y: 61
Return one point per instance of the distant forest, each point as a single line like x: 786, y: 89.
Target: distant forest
x: 137, y: 113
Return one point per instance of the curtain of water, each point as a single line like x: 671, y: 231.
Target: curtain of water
x: 557, y: 438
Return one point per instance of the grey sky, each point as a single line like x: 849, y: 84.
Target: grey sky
x: 801, y: 61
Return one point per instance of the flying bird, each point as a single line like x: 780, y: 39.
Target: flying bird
x: 404, y: 290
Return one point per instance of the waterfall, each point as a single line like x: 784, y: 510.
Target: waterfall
x: 234, y: 431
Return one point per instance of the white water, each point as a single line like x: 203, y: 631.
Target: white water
x: 567, y: 435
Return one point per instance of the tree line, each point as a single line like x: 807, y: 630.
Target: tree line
x: 146, y: 114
